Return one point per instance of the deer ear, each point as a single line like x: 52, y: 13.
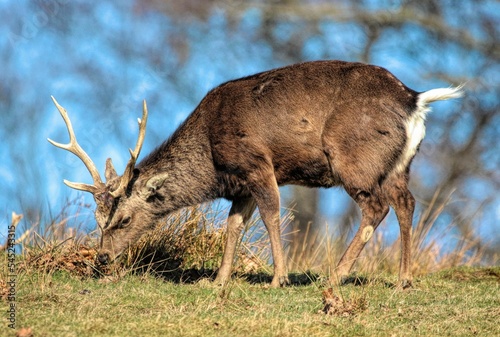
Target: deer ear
x: 153, y: 185
x: 110, y: 172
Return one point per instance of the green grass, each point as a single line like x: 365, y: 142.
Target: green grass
x: 454, y: 302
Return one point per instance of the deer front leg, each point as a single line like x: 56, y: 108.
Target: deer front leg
x: 268, y: 201
x: 374, y: 209
x: 240, y: 213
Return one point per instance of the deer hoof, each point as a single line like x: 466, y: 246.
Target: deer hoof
x: 221, y: 281
x: 405, y: 284
x: 284, y: 281
x: 280, y: 281
x: 344, y: 280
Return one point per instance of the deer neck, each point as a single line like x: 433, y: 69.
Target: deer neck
x: 184, y: 162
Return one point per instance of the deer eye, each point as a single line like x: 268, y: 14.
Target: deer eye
x: 124, y: 222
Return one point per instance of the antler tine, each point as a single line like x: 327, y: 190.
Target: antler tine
x: 75, y: 148
x: 129, y: 170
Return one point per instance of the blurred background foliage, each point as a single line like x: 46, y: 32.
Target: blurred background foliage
x: 101, y: 59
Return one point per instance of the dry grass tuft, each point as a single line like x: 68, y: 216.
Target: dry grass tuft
x: 16, y: 218
x: 60, y: 245
x: 188, y: 239
x: 71, y: 257
x: 338, y: 306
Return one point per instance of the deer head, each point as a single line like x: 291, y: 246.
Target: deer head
x: 122, y: 209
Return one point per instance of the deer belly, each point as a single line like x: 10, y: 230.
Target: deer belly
x: 306, y: 170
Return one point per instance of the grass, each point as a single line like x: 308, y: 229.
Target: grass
x: 454, y: 302
x: 162, y: 285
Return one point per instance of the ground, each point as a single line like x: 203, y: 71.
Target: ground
x: 455, y: 302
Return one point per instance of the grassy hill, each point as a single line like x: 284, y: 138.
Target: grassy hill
x: 455, y: 302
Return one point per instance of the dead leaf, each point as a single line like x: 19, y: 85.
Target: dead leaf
x: 337, y: 306
x: 24, y: 332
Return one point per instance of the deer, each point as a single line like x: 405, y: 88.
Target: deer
x: 316, y: 124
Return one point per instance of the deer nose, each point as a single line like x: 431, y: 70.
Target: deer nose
x: 103, y: 258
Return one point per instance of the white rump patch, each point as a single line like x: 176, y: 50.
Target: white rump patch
x: 415, y: 125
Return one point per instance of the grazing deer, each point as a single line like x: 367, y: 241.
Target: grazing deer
x: 316, y: 124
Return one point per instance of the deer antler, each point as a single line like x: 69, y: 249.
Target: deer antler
x: 75, y: 148
x: 129, y: 170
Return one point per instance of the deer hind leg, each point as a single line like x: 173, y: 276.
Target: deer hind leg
x: 403, y: 203
x: 374, y: 208
x: 240, y: 213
